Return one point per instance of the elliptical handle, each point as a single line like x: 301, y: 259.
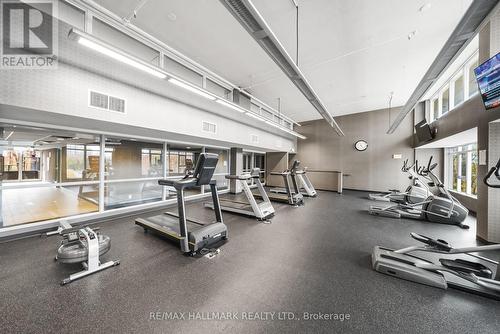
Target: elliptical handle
x: 493, y: 170
x: 429, y: 164
x: 438, y: 244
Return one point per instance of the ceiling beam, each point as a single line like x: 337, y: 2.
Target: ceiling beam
x: 249, y: 17
x: 460, y: 37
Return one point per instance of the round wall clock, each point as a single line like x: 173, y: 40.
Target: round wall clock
x: 361, y: 145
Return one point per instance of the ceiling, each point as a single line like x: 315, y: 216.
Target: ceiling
x: 24, y: 136
x: 354, y: 53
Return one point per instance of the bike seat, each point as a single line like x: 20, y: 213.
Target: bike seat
x: 467, y: 267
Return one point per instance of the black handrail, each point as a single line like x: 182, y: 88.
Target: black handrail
x: 494, y: 170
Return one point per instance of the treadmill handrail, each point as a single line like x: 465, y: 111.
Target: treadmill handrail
x: 239, y: 177
x: 179, y: 184
x: 280, y: 173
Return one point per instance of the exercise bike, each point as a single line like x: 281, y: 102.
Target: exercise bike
x: 442, y: 208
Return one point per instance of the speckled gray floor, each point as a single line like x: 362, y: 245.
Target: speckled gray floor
x: 314, y: 258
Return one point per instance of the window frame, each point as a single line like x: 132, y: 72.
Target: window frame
x: 449, y: 84
x: 466, y: 150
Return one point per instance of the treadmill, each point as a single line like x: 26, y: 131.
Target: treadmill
x: 291, y: 196
x: 262, y: 211
x: 193, y: 236
x: 304, y: 184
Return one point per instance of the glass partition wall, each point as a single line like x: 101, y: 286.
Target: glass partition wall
x: 51, y: 174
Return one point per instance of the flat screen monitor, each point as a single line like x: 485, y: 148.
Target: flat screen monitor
x: 423, y: 131
x: 488, y: 79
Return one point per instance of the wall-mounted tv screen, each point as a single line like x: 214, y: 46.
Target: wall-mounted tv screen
x: 423, y: 131
x: 488, y: 79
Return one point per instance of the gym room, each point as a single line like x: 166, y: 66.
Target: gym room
x: 249, y: 166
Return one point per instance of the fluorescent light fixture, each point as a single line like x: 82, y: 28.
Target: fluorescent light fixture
x: 299, y: 135
x: 9, y: 135
x: 112, y: 52
x: 191, y: 88
x: 229, y: 105
x: 119, y: 57
x: 425, y: 7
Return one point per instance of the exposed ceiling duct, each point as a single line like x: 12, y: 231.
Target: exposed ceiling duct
x: 460, y: 37
x: 248, y: 16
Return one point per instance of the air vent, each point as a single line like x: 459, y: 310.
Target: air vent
x: 255, y: 139
x: 98, y: 100
x: 244, y: 15
x: 116, y: 104
x: 209, y: 127
x: 106, y: 102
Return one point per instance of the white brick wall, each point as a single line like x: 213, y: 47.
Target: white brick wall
x: 494, y: 194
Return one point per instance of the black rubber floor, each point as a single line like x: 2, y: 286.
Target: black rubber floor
x: 314, y: 258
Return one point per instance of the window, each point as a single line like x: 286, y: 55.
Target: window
x: 151, y: 162
x: 125, y: 42
x: 260, y: 162
x: 463, y: 162
x: 459, y: 91
x: 459, y: 88
x: 182, y: 71
x: 179, y: 161
x: 218, y: 89
x: 255, y: 108
x: 434, y: 109
x: 221, y: 170
x: 267, y: 114
x: 472, y: 77
x: 445, y: 101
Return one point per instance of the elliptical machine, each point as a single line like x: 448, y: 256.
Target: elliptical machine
x: 442, y: 208
x: 458, y: 273
x: 416, y: 192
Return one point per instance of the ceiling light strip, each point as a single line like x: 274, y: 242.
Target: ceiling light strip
x: 113, y: 52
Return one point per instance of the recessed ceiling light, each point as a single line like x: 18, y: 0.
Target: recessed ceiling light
x: 425, y: 7
x: 172, y: 16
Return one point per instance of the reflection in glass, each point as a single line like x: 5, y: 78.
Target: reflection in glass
x: 28, y: 205
x: 131, y: 159
x: 11, y: 164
